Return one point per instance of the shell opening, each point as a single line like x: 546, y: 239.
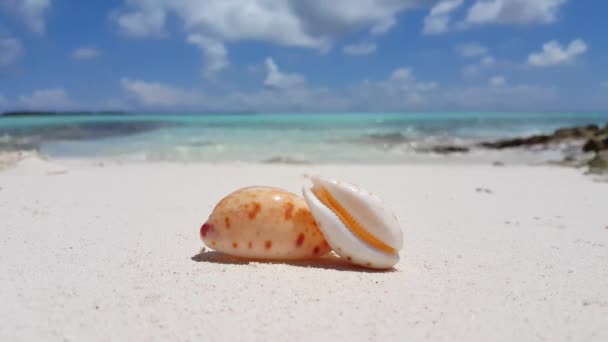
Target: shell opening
x: 351, y: 223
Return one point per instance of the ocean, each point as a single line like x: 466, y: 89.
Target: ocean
x: 271, y: 138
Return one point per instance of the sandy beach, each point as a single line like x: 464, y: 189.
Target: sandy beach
x: 111, y: 252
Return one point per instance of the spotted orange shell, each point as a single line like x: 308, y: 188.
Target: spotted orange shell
x: 264, y: 223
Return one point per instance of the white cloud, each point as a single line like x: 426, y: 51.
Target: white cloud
x: 438, y: 19
x: 399, y: 91
x: 402, y: 74
x: 209, y: 24
x: 555, y: 54
x: 146, y: 20
x: 53, y: 98
x: 154, y: 95
x: 474, y: 69
x: 158, y: 94
x: 85, y: 52
x: 312, y: 24
x: 487, y: 61
x: 516, y: 97
x: 486, y: 12
x: 32, y: 12
x: 498, y: 81
x: 471, y: 70
x: 216, y: 56
x: 402, y: 92
x: 472, y: 50
x: 280, y: 80
x: 290, y: 99
x: 513, y: 11
x: 10, y: 50
x: 288, y: 92
x: 475, y: 50
x: 359, y: 49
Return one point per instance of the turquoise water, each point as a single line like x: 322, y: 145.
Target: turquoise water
x: 382, y: 137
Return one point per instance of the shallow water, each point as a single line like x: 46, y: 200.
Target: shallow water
x: 287, y: 138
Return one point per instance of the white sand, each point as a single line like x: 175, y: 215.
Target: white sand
x: 105, y: 253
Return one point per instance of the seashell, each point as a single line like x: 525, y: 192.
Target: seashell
x: 264, y: 223
x: 356, y: 223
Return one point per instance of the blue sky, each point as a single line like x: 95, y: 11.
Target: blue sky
x: 291, y: 55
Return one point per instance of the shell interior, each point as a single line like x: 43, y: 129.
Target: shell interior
x: 325, y: 197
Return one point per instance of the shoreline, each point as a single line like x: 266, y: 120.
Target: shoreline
x: 574, y: 146
x: 515, y: 158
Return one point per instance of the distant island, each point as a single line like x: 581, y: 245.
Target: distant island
x: 51, y: 113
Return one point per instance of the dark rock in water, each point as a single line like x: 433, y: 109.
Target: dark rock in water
x: 596, y: 144
x: 595, y: 140
x: 599, y: 163
x: 563, y: 134
x: 447, y: 149
x: 518, y: 142
x: 577, y: 132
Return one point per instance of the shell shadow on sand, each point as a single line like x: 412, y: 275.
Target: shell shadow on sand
x: 329, y: 262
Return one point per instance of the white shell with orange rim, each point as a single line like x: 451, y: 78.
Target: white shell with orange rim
x: 355, y: 223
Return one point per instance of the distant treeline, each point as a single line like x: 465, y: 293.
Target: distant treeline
x: 48, y: 113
